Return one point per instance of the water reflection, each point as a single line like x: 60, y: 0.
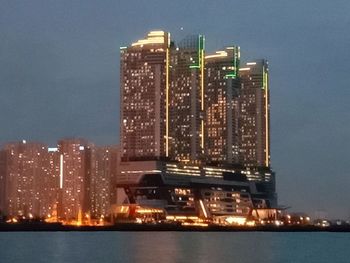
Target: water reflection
x: 173, y: 247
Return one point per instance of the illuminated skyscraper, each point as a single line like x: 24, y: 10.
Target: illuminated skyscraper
x: 75, y: 170
x: 187, y: 99
x: 254, y: 114
x: 188, y: 118
x: 103, y: 179
x: 162, y: 98
x: 144, y: 95
x: 50, y: 194
x: 221, y: 106
x: 24, y: 178
x: 177, y: 104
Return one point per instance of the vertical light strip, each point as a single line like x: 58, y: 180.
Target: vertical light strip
x: 237, y: 60
x: 61, y: 171
x: 202, y: 79
x: 167, y: 104
x: 202, y: 89
x: 267, y: 163
x: 234, y: 64
x: 202, y: 130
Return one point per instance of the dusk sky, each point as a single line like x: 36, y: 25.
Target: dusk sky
x: 59, y: 77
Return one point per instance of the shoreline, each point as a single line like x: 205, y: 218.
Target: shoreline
x: 39, y: 227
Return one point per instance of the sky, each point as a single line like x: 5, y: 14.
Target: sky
x: 59, y: 77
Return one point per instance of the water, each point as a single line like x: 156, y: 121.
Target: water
x: 171, y: 247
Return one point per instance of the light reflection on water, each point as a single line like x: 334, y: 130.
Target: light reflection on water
x: 174, y: 247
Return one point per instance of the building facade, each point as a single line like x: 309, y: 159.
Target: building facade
x: 178, y: 104
x: 216, y: 159
x: 50, y: 190
x: 24, y: 180
x: 144, y: 99
x: 187, y: 99
x: 222, y: 88
x: 254, y: 111
x: 103, y: 179
x: 75, y: 173
x: 183, y: 190
x: 162, y: 98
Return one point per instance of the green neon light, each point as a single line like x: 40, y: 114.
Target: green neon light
x: 265, y: 76
x: 201, y: 42
x: 235, y: 64
x: 199, y: 52
x: 264, y: 79
x: 231, y: 75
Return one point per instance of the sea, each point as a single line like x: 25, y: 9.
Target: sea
x: 173, y: 247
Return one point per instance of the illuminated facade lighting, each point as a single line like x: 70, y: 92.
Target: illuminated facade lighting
x: 219, y: 54
x: 244, y: 69
x: 153, y: 38
x: 267, y: 117
x: 61, y: 171
x: 167, y: 116
x: 203, y: 209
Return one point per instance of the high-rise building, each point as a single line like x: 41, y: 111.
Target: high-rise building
x: 178, y: 104
x: 221, y: 106
x: 187, y: 99
x: 144, y: 82
x: 213, y: 118
x: 103, y: 179
x: 254, y: 114
x: 50, y: 191
x: 24, y: 178
x: 162, y: 98
x: 75, y: 171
